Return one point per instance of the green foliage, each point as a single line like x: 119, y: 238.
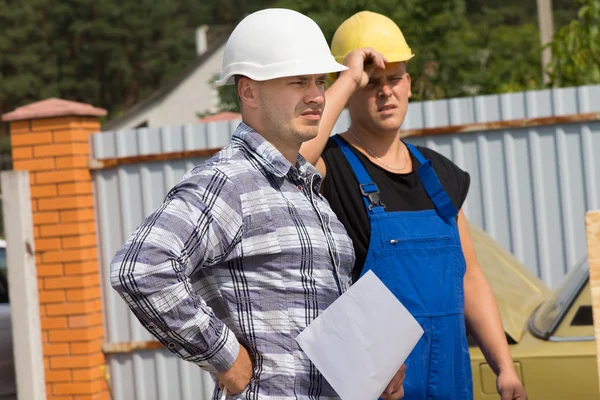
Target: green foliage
x: 228, y: 96
x: 493, y: 48
x: 109, y: 53
x: 113, y: 53
x: 576, y: 48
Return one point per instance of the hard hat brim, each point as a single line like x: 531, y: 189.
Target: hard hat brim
x: 390, y: 58
x: 280, y: 70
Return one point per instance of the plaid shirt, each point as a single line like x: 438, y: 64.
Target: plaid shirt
x: 244, y: 250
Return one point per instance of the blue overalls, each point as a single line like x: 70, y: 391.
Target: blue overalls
x: 418, y: 256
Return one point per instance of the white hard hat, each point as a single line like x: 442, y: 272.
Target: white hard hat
x: 274, y: 43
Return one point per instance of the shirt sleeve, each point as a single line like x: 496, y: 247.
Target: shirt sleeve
x: 197, y: 225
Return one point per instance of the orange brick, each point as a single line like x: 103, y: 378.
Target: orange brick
x: 67, y: 189
x: 40, y: 164
x: 38, y: 191
x: 66, y: 203
x: 31, y: 139
x: 59, y: 349
x: 38, y: 258
x: 34, y: 205
x: 84, y: 321
x: 72, y: 388
x: 61, y: 149
x: 96, y: 396
x: 89, y: 293
x: 52, y: 296
x: 82, y: 268
x: 72, y: 162
x: 44, y: 270
x: 59, y: 375
x: 47, y: 244
x: 55, y: 123
x: 41, y: 283
x: 86, y: 347
x: 90, y: 253
x: 75, y: 335
x: 46, y: 363
x: 87, y: 374
x: 90, y: 123
x: 44, y: 336
x: 72, y: 282
x: 49, y: 323
x: 85, y: 361
x: 61, y: 230
x: 83, y: 307
x: 22, y: 153
x: 83, y: 214
x: 67, y: 175
x: 36, y: 232
x: 17, y: 127
x: 44, y: 218
x: 60, y: 397
x: 72, y: 135
x: 79, y: 241
x: 79, y: 388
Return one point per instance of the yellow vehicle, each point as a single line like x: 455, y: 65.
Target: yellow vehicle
x: 550, y: 333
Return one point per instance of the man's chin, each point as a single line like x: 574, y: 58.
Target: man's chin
x: 307, y: 133
x: 390, y: 124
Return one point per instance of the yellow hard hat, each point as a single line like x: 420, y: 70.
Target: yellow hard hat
x: 369, y: 29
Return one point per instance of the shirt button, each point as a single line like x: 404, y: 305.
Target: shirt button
x: 171, y: 345
x: 299, y: 187
x: 151, y: 327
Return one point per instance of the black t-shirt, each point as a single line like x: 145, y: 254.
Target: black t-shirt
x: 399, y: 192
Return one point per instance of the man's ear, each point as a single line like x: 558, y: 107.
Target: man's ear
x: 409, y: 85
x: 248, y: 92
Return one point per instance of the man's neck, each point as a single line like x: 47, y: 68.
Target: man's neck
x: 289, y: 150
x: 381, y: 144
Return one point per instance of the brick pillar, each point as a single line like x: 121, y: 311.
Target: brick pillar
x: 51, y: 140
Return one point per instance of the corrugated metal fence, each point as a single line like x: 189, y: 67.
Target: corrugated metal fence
x: 534, y: 173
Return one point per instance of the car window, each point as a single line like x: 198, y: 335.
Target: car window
x: 550, y: 314
x: 578, y: 321
x: 583, y: 317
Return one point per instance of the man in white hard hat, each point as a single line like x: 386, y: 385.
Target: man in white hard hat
x: 245, y: 253
x: 402, y: 207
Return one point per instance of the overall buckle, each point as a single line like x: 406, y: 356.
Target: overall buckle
x: 371, y: 191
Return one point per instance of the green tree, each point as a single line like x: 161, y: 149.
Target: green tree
x: 576, y: 48
x: 110, y: 53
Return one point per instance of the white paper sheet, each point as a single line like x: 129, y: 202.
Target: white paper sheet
x: 361, y: 340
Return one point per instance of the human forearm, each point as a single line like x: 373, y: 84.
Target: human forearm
x: 484, y: 322
x: 152, y: 273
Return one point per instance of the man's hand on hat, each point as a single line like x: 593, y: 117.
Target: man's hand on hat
x: 361, y: 63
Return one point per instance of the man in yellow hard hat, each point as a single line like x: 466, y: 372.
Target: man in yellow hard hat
x: 401, y: 205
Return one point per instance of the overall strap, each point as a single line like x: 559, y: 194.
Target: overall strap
x: 368, y: 188
x: 433, y: 187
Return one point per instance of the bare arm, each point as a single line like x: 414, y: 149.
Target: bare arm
x: 484, y: 321
x: 360, y: 63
